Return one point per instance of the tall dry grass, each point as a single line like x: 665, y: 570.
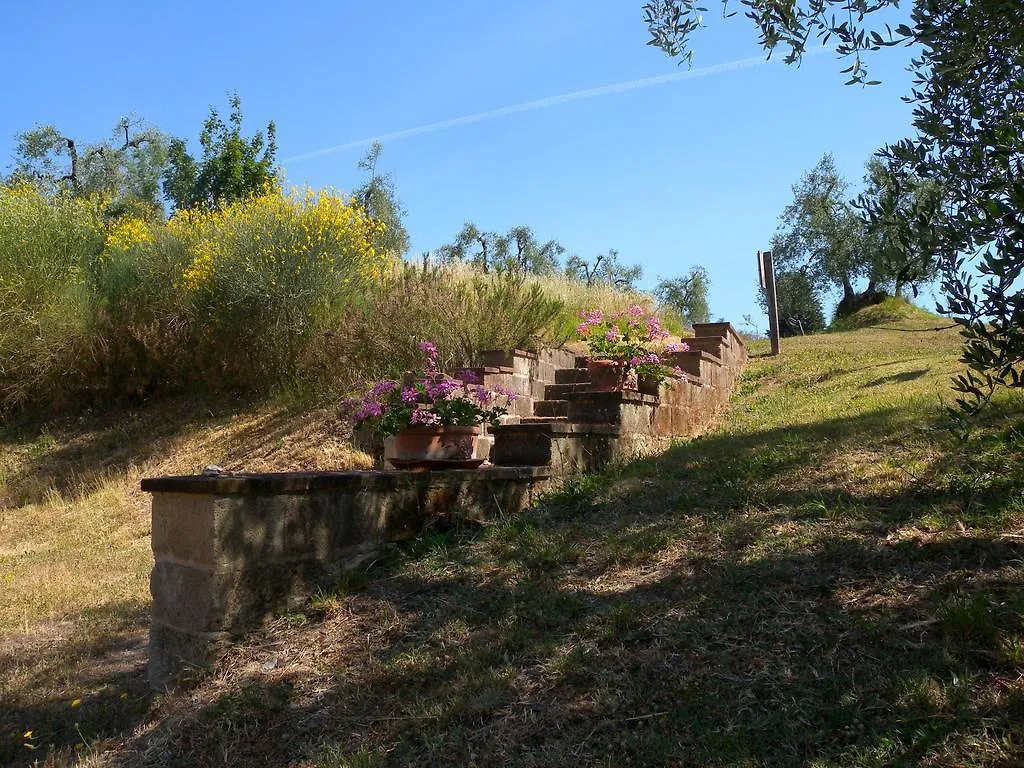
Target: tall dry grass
x: 277, y: 293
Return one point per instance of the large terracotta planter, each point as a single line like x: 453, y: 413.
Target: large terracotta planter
x: 436, y: 447
x: 610, y: 376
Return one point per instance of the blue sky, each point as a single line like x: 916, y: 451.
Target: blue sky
x: 693, y: 171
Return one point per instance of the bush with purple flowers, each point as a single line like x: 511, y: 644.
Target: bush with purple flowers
x: 429, y: 398
x: 633, y: 338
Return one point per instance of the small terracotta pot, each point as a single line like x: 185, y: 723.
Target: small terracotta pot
x: 610, y: 376
x: 432, y: 444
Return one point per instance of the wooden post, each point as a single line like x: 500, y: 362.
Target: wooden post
x: 766, y: 268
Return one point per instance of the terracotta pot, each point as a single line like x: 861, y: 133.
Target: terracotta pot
x: 432, y: 445
x: 610, y: 376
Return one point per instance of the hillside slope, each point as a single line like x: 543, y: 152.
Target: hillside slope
x: 828, y: 579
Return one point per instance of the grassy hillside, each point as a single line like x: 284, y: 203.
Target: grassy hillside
x: 828, y: 579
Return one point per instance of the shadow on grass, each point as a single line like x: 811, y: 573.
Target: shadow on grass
x: 98, y: 659
x: 738, y: 600
x: 89, y: 450
x: 898, y: 378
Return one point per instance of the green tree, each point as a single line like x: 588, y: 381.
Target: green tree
x: 125, y: 167
x: 968, y: 99
x: 517, y: 251
x: 524, y: 254
x: 822, y: 235
x: 904, y: 214
x: 379, y: 199
x: 605, y: 268
x: 232, y: 167
x: 484, y: 250
x: 798, y: 301
x: 688, y: 295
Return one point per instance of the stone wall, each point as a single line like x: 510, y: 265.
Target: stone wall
x: 232, y: 551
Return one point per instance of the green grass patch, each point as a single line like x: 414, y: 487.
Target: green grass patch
x: 828, y: 579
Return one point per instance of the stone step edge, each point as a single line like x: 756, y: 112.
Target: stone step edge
x: 568, y: 428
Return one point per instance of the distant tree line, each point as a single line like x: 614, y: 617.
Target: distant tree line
x: 140, y: 170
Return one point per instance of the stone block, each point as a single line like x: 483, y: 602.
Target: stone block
x: 514, y: 448
x: 183, y: 528
x: 174, y: 651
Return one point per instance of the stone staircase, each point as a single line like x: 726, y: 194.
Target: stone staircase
x: 566, y: 425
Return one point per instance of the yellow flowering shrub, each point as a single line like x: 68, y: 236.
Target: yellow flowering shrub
x: 44, y: 243
x: 272, y: 271
x: 125, y: 233
x: 280, y: 241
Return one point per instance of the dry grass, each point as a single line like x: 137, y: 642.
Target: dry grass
x: 74, y: 526
x: 828, y: 580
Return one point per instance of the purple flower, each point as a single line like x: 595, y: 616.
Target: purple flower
x: 429, y: 350
x: 383, y: 388
x: 505, y: 392
x: 483, y: 395
x: 369, y: 410
x: 410, y: 395
x: 613, y: 334
x: 438, y: 390
x: 674, y: 347
x: 636, y: 310
x: 469, y: 376
x: 678, y: 372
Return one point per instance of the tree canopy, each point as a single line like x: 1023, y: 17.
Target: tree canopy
x: 517, y: 251
x: 124, y: 168
x: 232, y: 167
x: 604, y: 268
x: 687, y: 295
x: 968, y: 99
x: 379, y: 199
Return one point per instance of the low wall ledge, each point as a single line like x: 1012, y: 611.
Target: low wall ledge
x: 300, y: 482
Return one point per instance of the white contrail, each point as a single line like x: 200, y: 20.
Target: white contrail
x: 527, y: 106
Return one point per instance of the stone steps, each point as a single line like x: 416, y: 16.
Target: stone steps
x: 571, y: 376
x: 551, y: 408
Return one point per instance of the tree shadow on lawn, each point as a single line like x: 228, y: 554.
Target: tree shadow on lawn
x: 730, y: 602
x: 714, y: 662
x: 90, y: 450
x: 98, y: 658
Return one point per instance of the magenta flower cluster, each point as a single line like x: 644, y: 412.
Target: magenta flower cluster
x: 429, y: 398
x: 634, y: 338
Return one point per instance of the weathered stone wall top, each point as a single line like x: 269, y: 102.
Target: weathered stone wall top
x: 303, y: 482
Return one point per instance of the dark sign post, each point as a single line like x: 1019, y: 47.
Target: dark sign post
x: 766, y: 270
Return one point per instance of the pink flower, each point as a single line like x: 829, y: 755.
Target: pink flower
x: 636, y: 310
x: 674, y: 347
x: 424, y: 417
x: 410, y: 395
x: 613, y: 334
x: 654, y: 328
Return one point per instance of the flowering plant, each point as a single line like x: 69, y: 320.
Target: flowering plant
x: 430, y: 398
x: 633, y: 338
